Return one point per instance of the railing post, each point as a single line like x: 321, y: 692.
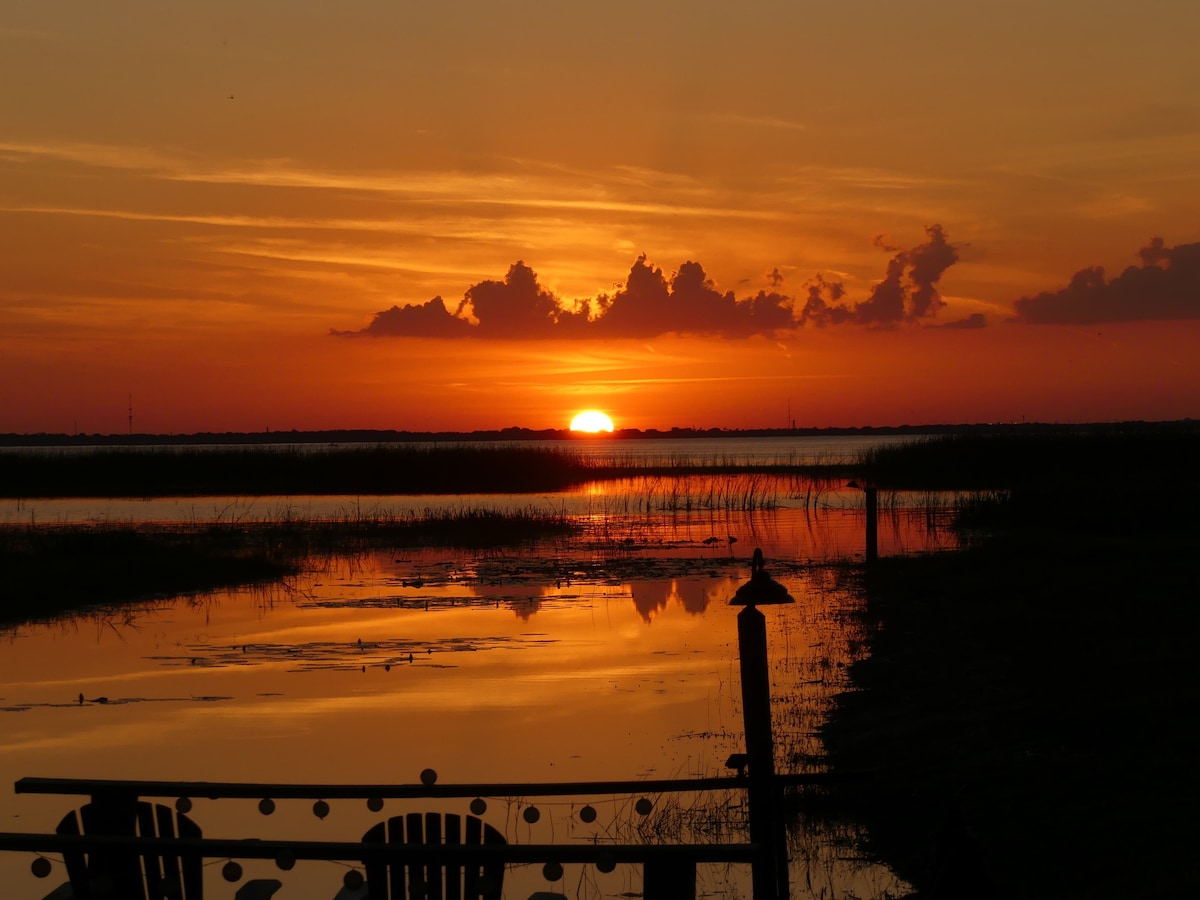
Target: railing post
x: 669, y: 880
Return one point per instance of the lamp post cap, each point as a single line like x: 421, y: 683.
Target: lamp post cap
x: 761, y: 589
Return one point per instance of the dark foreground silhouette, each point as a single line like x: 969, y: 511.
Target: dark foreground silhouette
x: 1026, y: 703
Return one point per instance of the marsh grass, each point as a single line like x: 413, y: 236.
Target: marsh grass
x: 284, y: 471
x: 704, y: 817
x: 1110, y: 481
x: 653, y: 494
x: 1096, y: 456
x: 51, y: 569
x: 382, y: 469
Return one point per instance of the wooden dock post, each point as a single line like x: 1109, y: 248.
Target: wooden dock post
x: 769, y: 871
x: 872, y: 523
x: 871, y: 493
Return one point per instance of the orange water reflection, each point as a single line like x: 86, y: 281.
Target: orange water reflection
x: 539, y: 665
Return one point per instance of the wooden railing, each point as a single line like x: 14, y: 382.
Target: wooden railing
x: 669, y: 869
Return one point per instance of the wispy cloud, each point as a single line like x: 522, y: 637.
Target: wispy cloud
x: 613, y: 191
x: 223, y: 221
x: 626, y: 384
x: 26, y: 34
x: 108, y: 156
x: 770, y: 122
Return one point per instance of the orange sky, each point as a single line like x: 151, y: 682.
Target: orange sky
x: 209, y: 206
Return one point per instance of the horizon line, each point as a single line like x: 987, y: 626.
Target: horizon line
x: 517, y: 432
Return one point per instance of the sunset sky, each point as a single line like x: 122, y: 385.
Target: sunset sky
x: 472, y: 215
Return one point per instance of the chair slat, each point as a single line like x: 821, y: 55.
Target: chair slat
x: 73, y: 858
x: 415, y: 834
x: 127, y: 873
x: 191, y: 863
x: 376, y: 866
x: 115, y: 872
x: 154, y: 820
x: 432, y: 880
x: 474, y: 835
x: 453, y: 871
x: 434, y: 872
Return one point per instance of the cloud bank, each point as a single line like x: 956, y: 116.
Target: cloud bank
x: 649, y: 304
x: 1165, y: 286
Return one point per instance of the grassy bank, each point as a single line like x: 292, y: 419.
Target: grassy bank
x: 365, y: 470
x: 1095, y: 458
x: 54, y: 569
x: 1027, y: 704
x: 287, y: 471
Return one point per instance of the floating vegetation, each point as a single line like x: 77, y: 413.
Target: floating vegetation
x: 111, y: 701
x: 345, y: 656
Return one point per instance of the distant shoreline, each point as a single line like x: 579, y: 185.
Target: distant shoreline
x: 373, y: 436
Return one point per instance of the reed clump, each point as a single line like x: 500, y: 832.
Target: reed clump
x: 653, y: 494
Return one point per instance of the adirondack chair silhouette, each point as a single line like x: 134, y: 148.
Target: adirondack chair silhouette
x: 118, y: 873
x: 433, y: 881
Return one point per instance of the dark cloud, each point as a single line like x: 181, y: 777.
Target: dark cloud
x: 907, y: 292
x: 1165, y: 286
x: 1155, y: 252
x: 885, y: 306
x: 823, y: 304
x: 881, y: 241
x: 641, y: 307
x: 517, y: 307
x: 649, y: 304
x: 430, y: 319
x: 926, y: 264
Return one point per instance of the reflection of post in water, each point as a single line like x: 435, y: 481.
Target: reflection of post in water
x: 872, y: 502
x: 770, y: 869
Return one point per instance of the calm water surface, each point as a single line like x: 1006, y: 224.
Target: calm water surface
x: 610, y: 656
x: 358, y: 675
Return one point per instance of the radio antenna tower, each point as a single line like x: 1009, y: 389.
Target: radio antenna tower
x: 131, y: 412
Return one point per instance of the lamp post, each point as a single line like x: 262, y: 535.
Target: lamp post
x: 769, y: 872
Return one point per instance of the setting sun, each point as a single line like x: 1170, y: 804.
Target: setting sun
x: 592, y: 421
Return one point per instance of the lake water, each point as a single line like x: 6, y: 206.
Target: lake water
x: 611, y: 655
